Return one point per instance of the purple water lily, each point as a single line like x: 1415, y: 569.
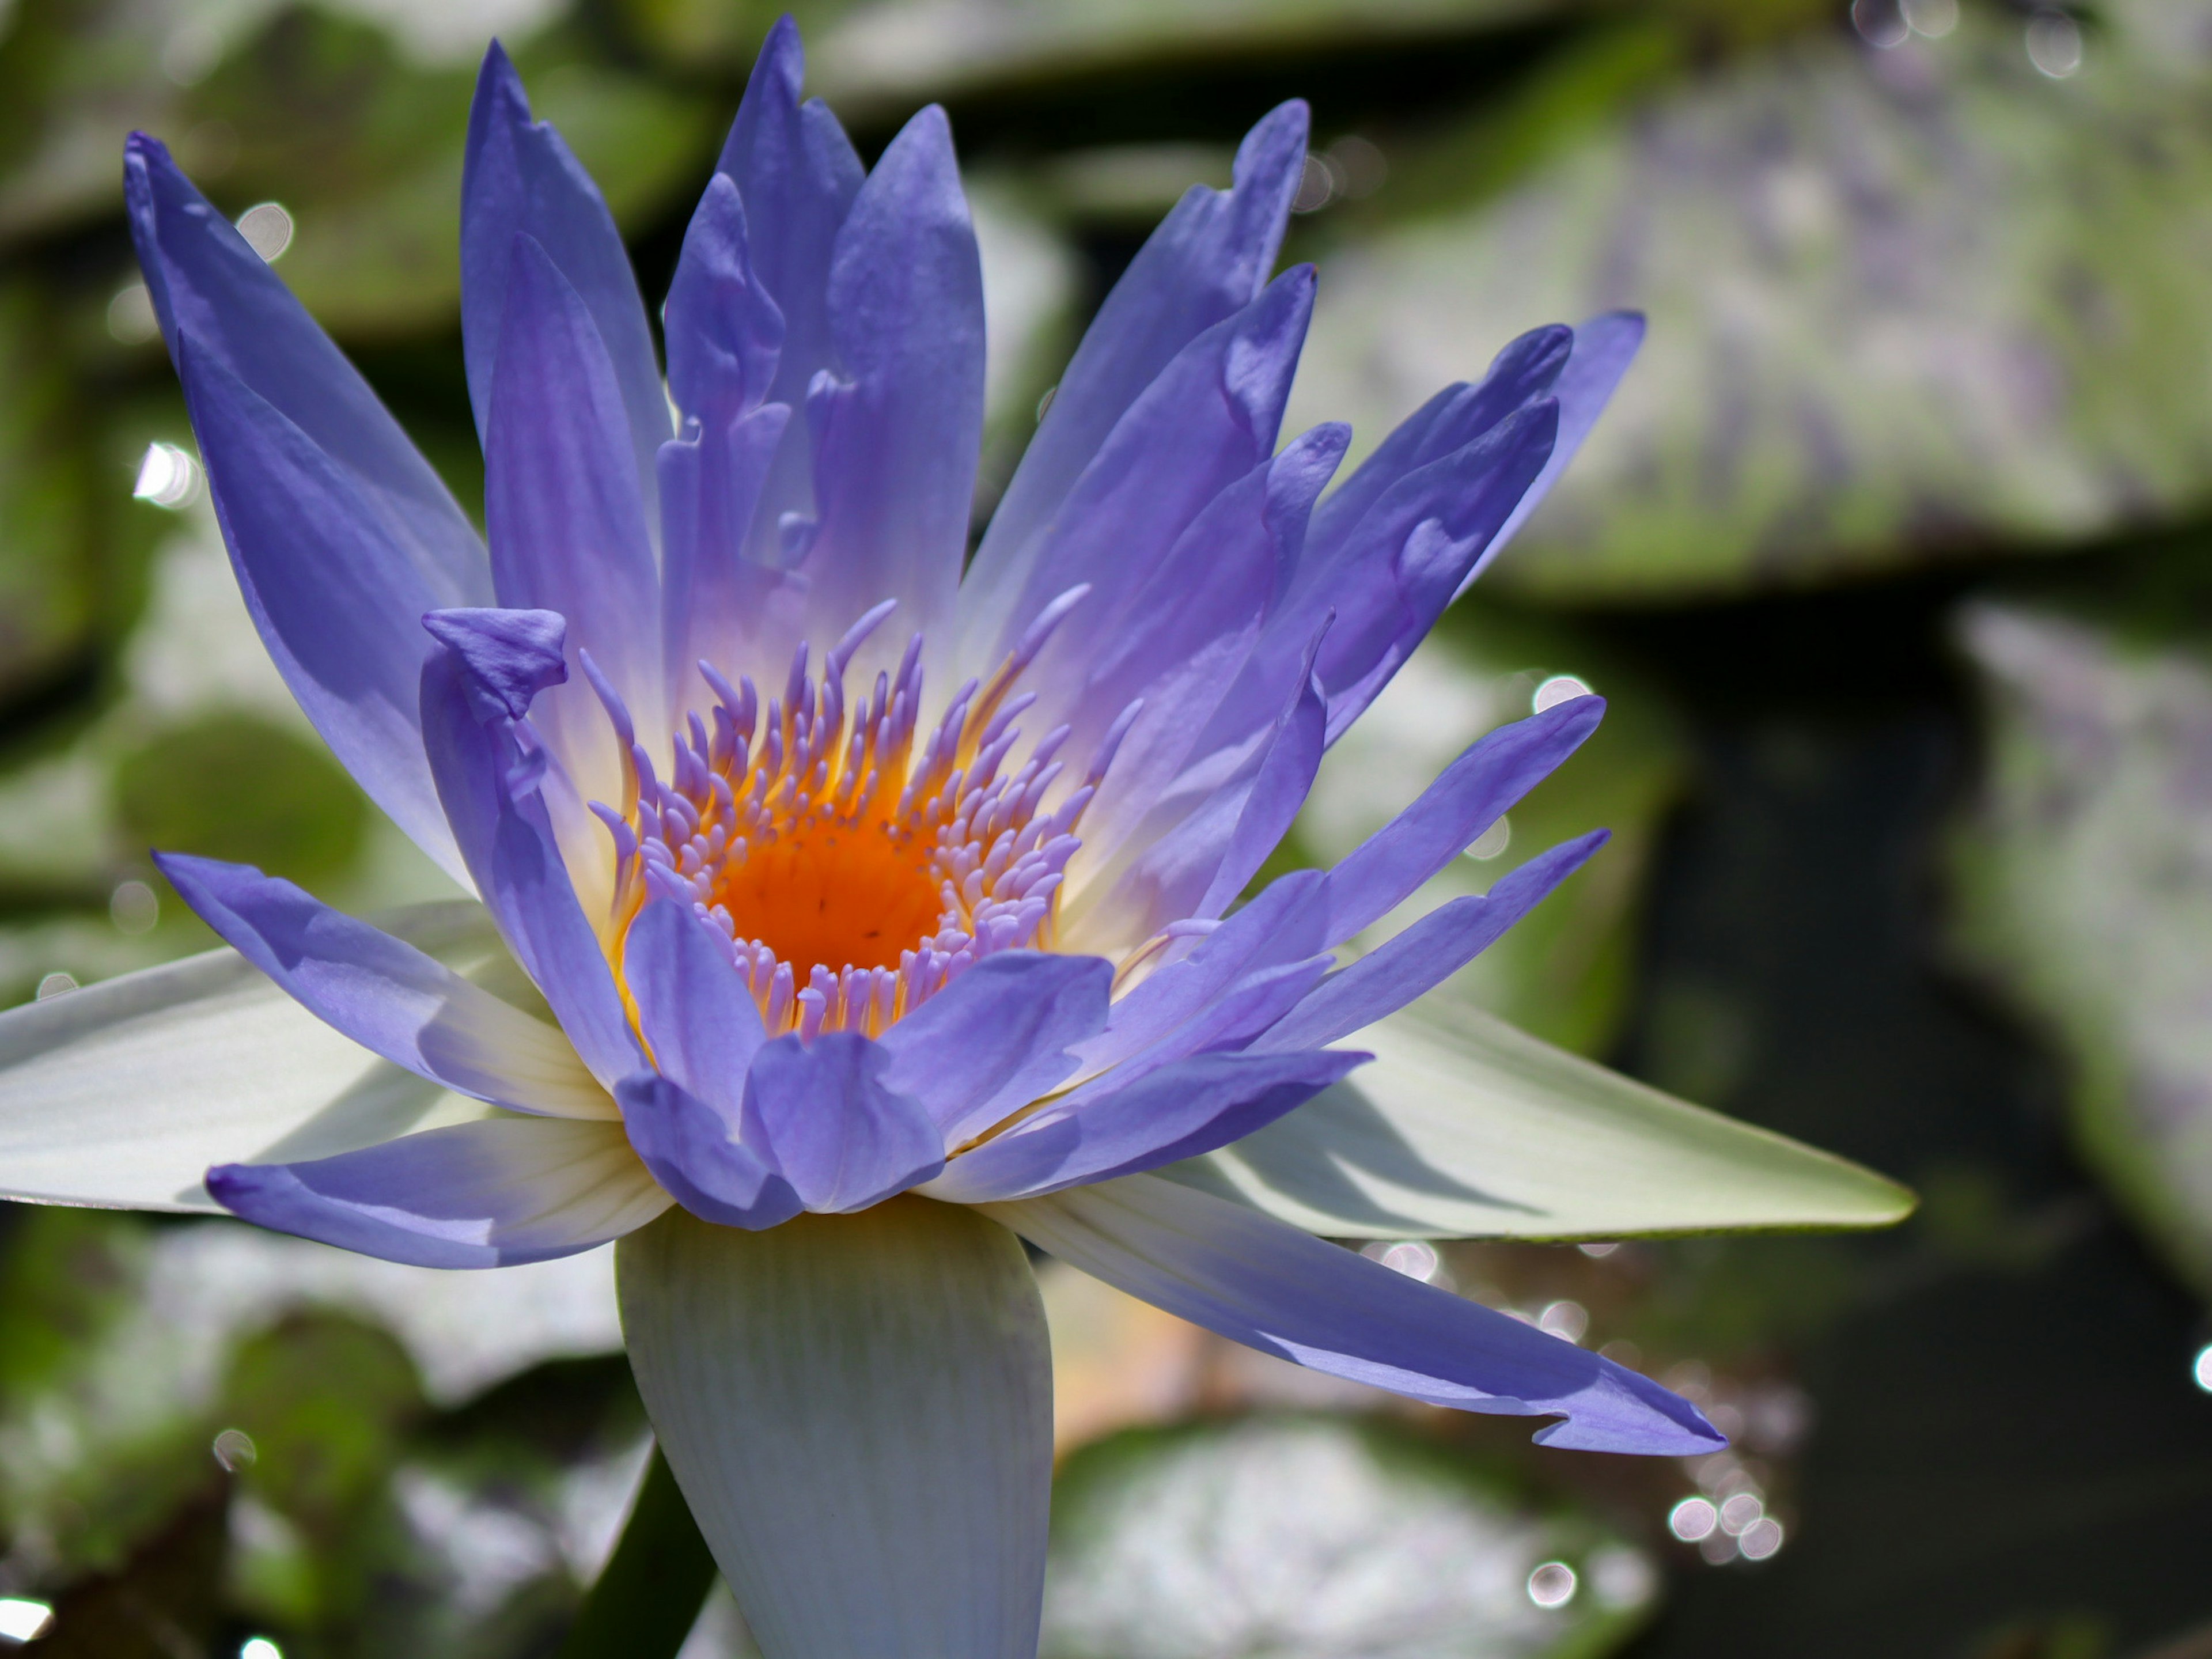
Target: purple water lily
x: 883, y: 912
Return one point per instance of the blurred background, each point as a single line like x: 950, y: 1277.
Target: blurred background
x: 1893, y: 556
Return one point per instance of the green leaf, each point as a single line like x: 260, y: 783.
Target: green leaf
x: 234, y: 786
x: 647, y: 1596
x: 1472, y: 1130
x: 2083, y: 885
x: 1904, y: 304
x: 70, y: 540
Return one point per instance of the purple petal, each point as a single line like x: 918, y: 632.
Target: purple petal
x: 489, y: 783
x: 205, y: 280
x: 1604, y: 348
x: 1179, y: 641
x: 996, y: 1038
x: 1205, y: 842
x: 1208, y: 420
x: 1466, y: 799
x: 1526, y: 369
x: 1207, y: 261
x: 1178, y: 1111
x: 842, y: 1138
x: 562, y: 507
x: 725, y: 333
x: 1184, y: 987
x: 1386, y: 578
x: 387, y: 995
x: 796, y: 174
x: 337, y: 602
x: 518, y: 177
x: 1412, y: 554
x: 725, y: 338
x: 1426, y: 954
x: 716, y: 602
x: 697, y: 1015
x: 486, y: 1195
x: 1373, y: 560
x: 897, y: 432
x: 696, y: 1154
x: 1232, y: 1021
x: 1263, y: 1284
x: 1269, y: 801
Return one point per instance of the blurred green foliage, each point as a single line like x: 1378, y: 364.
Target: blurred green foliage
x: 177, y: 790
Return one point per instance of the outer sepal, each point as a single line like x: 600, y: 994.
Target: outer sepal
x: 858, y: 1409
x: 1472, y: 1130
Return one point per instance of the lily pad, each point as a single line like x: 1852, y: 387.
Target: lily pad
x: 1905, y: 305
x: 1312, y: 1538
x: 2083, y: 880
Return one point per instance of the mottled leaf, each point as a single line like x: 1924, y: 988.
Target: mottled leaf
x: 1905, y: 305
x: 2083, y: 878
x: 1314, y: 1538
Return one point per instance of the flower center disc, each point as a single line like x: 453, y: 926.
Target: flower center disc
x: 841, y: 897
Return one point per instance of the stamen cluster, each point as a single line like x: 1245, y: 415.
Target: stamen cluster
x: 837, y: 842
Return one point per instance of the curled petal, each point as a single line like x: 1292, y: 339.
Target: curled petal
x: 1604, y: 348
x: 697, y: 1154
x: 489, y: 785
x: 725, y: 333
x: 1526, y: 369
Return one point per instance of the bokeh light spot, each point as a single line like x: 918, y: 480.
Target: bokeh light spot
x: 168, y: 477
x: 1692, y: 1519
x: 267, y: 227
x: 22, y: 1619
x: 1559, y: 689
x: 1552, y: 1585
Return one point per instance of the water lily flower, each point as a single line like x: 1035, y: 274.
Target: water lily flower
x: 845, y: 908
